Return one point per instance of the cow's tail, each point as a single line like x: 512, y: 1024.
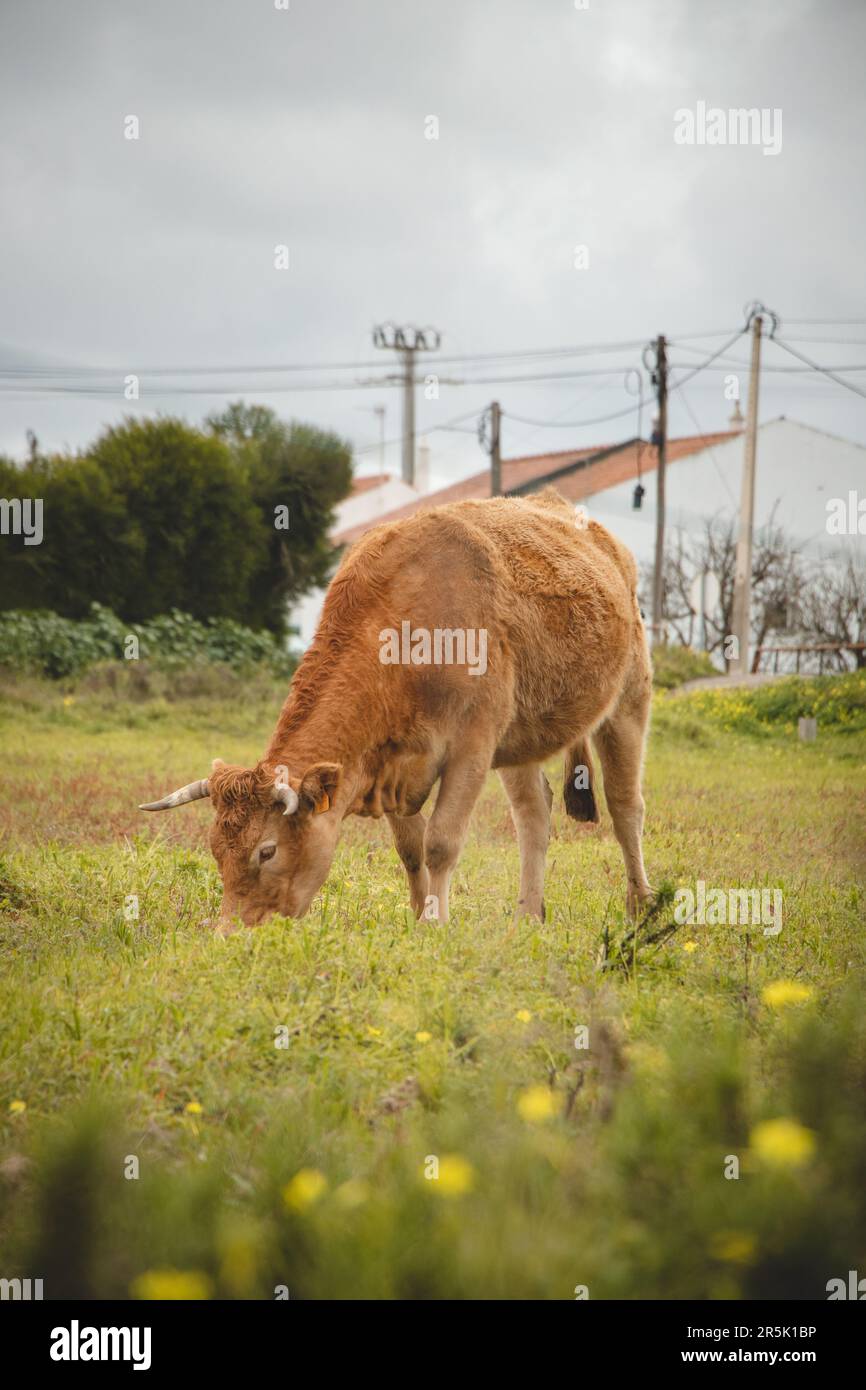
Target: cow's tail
x: 577, y: 786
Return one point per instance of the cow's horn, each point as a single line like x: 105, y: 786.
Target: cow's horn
x: 193, y: 791
x: 288, y: 796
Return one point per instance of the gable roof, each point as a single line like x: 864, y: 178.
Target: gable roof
x: 576, y: 473
x: 369, y: 481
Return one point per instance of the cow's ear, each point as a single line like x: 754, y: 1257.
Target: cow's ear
x: 217, y: 762
x: 319, y: 787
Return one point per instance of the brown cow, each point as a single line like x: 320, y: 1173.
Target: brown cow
x: 471, y: 636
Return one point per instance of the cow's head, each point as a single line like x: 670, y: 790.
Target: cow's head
x: 273, y: 835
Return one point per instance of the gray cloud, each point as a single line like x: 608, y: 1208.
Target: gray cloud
x: 261, y: 127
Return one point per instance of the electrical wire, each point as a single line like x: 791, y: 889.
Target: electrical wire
x: 825, y: 371
x: 704, y: 436
x: 572, y: 424
x: 76, y: 371
x: 81, y: 371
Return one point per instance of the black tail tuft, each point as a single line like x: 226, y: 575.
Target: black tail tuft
x: 577, y: 786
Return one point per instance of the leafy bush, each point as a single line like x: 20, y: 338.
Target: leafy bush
x: 835, y: 701
x: 672, y: 666
x: 231, y: 522
x: 43, y: 643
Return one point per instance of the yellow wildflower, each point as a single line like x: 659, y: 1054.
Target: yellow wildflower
x: 735, y: 1247
x: 305, y: 1188
x: 783, y: 1143
x: 187, y: 1284
x: 455, y: 1178
x: 781, y: 993
x: 537, y: 1104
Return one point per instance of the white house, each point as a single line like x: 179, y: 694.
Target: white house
x: 799, y: 471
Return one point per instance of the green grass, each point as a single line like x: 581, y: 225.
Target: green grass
x: 558, y: 1166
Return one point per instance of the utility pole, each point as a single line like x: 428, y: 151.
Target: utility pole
x: 660, y: 439
x: 408, y: 454
x: 407, y: 342
x: 495, y: 457
x: 489, y: 426
x: 742, y: 604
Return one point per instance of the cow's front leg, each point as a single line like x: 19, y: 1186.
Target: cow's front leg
x: 461, y: 783
x: 531, y: 798
x: 408, y: 832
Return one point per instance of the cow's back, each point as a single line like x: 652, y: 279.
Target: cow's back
x: 555, y: 599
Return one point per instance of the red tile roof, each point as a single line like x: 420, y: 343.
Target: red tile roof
x: 371, y: 481
x: 618, y: 464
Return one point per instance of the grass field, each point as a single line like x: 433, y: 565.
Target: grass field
x: 185, y: 1115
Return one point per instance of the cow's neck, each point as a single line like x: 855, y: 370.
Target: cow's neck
x: 331, y: 715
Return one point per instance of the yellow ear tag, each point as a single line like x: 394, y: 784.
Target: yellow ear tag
x: 324, y: 804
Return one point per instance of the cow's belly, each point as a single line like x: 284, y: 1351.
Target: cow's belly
x: 564, y: 685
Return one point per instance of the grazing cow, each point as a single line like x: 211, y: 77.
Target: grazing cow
x: 478, y: 635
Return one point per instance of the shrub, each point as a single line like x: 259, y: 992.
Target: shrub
x: 672, y: 666
x: 835, y: 701
x: 44, y: 643
x: 157, y: 514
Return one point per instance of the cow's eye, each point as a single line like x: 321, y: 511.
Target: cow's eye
x: 267, y: 851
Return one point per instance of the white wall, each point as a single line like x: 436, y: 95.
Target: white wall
x: 799, y: 467
x: 369, y: 506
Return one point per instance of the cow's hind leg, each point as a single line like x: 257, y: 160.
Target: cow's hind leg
x: 408, y: 834
x: 531, y: 798
x: 619, y: 742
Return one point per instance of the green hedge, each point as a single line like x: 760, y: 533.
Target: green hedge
x: 44, y: 643
x: 673, y: 666
x: 837, y: 702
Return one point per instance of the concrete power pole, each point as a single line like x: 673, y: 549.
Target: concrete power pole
x: 660, y: 439
x: 408, y: 451
x: 742, y: 604
x: 407, y: 342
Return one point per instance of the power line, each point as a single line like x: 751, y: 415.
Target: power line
x: 704, y: 436
x: 82, y: 371
x: 618, y: 414
x: 836, y: 342
x: 701, y: 366
x: 574, y: 424
x: 74, y: 370
x: 449, y: 424
x: 260, y: 388
x: 825, y: 371
x: 784, y: 371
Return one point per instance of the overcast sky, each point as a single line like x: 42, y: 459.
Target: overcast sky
x: 261, y: 127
